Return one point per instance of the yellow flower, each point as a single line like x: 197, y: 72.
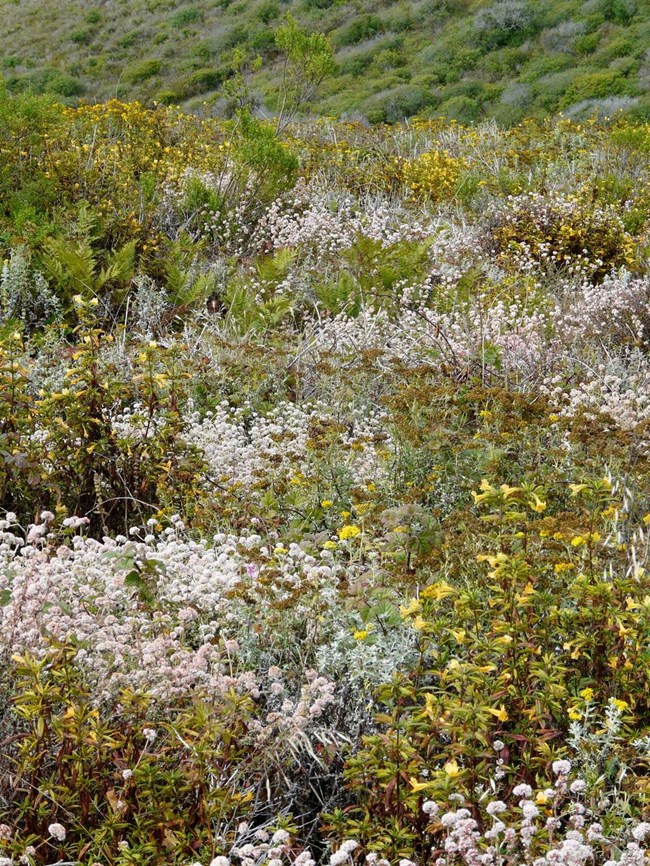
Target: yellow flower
x: 419, y: 786
x: 411, y: 608
x: 360, y: 635
x: 537, y: 504
x: 574, y: 714
x: 452, y: 769
x: 348, y: 532
x: 619, y: 704
x: 330, y: 545
x: 439, y: 590
x: 326, y: 503
x: 587, y: 694
x: 500, y: 713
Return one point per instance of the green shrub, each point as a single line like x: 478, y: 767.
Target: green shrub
x: 205, y: 50
x: 357, y: 64
x: 505, y: 22
x: 132, y: 38
x: 51, y: 81
x: 594, y: 85
x: 363, y: 27
x: 184, y: 17
x: 588, y: 43
x: 145, y: 70
x: 621, y: 11
x: 399, y: 102
x: 200, y: 82
x: 262, y: 40
x: 169, y: 97
x: 81, y: 37
x: 268, y: 11
x: 464, y: 109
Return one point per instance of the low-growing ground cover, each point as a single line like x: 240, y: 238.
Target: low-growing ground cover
x: 324, y: 490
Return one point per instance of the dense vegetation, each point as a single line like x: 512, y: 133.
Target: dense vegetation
x: 324, y: 490
x: 464, y: 59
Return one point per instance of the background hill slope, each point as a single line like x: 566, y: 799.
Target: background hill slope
x: 466, y: 59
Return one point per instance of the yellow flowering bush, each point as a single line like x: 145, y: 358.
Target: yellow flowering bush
x: 511, y: 649
x: 433, y: 176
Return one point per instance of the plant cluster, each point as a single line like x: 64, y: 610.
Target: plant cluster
x: 324, y: 494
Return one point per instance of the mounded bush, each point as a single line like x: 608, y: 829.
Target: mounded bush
x: 144, y: 71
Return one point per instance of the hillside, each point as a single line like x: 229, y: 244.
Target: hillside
x: 465, y: 59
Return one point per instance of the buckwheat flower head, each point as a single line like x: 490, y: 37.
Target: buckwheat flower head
x: 75, y: 522
x: 641, y: 831
x: 429, y: 807
x: 498, y: 745
x: 127, y: 774
x: 149, y: 734
x: 561, y: 768
x: 495, y: 829
x: 595, y: 832
x: 530, y: 810
x: 522, y: 790
x: 349, y: 845
x: 495, y: 807
x: 5, y: 831
x: 406, y: 862
x: 578, y: 786
x: 57, y: 831
x: 280, y: 837
x: 220, y: 861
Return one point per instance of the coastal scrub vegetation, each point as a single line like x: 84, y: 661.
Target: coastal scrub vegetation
x: 324, y: 490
